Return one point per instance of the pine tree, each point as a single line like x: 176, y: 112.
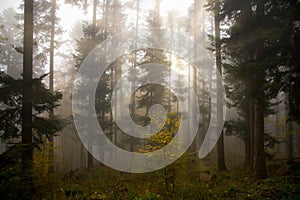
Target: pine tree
x: 51, y: 78
x: 11, y: 43
x: 215, y: 6
x: 26, y: 113
x: 27, y: 101
x: 247, y: 56
x: 103, y: 24
x: 258, y: 60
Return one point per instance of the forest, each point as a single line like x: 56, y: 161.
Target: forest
x: 149, y: 99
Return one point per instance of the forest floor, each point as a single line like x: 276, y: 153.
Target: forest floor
x: 177, y: 181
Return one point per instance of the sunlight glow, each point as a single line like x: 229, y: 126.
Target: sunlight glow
x: 69, y: 15
x: 6, y: 4
x: 179, y: 5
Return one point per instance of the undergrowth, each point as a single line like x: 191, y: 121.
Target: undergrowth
x: 106, y: 183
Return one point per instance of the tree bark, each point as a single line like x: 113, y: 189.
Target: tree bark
x: 27, y: 153
x: 247, y: 159
x: 51, y: 84
x: 260, y: 170
x: 220, y: 144
x: 90, y: 158
x: 251, y: 132
x: 290, y: 145
x: 247, y: 138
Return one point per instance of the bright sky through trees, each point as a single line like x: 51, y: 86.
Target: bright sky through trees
x: 70, y: 14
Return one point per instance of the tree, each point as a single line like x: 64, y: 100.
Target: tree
x: 26, y: 100
x: 84, y: 46
x: 152, y: 93
x: 45, y: 25
x: 51, y: 78
x: 11, y: 43
x: 220, y: 143
x: 215, y: 6
x: 248, y: 57
x: 161, y: 139
x: 10, y: 122
x: 264, y: 62
x: 27, y: 153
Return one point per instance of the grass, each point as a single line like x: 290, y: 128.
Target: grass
x: 106, y: 183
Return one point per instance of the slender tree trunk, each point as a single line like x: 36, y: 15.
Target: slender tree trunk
x: 247, y: 144
x: 197, y: 141
x: 112, y: 74
x: 134, y: 63
x: 248, y: 140
x: 290, y: 145
x: 27, y: 153
x: 157, y: 10
x: 290, y: 142
x: 51, y: 84
x: 251, y: 133
x: 220, y: 143
x: 90, y: 159
x: 82, y: 157
x: 90, y: 163
x: 260, y: 170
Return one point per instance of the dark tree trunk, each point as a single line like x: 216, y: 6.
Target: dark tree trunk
x: 220, y: 153
x: 247, y: 160
x: 27, y: 153
x: 51, y: 84
x: 220, y: 144
x: 90, y: 158
x: 248, y: 140
x: 290, y: 145
x: 290, y: 142
x: 260, y: 170
x: 251, y: 134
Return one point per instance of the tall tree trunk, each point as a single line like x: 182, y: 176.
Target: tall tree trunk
x: 197, y: 141
x: 90, y: 158
x: 220, y: 144
x: 290, y: 142
x: 260, y: 170
x: 27, y: 153
x: 251, y: 133
x: 157, y: 10
x: 248, y: 140
x: 90, y: 162
x: 82, y: 157
x: 290, y: 145
x: 51, y: 84
x: 247, y: 158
